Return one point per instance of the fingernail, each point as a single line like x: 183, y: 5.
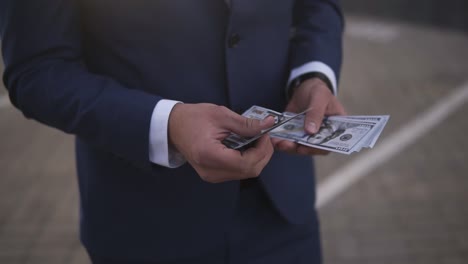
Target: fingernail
x: 265, y: 120
x: 312, y: 127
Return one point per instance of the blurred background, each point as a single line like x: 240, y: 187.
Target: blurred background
x: 405, y: 201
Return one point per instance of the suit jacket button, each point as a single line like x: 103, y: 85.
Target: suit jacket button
x: 233, y: 40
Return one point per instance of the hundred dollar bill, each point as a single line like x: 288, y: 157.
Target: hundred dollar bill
x: 260, y: 113
x: 334, y: 134
x: 235, y: 141
x: 342, y: 134
x: 380, y: 122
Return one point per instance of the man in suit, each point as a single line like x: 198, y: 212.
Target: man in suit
x: 150, y: 88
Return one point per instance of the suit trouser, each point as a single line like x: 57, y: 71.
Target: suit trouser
x: 257, y: 235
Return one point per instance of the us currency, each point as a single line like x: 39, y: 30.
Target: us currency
x: 381, y: 122
x: 238, y: 142
x: 341, y: 134
x: 335, y: 135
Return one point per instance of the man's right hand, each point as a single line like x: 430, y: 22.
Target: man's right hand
x: 196, y: 131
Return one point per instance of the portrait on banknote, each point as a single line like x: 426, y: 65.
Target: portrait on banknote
x: 330, y: 130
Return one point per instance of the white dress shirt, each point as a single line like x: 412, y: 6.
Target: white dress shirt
x: 162, y: 153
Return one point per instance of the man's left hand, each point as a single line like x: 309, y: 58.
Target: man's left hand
x: 315, y: 95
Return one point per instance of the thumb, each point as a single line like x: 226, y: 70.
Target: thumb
x: 248, y: 127
x: 313, y: 119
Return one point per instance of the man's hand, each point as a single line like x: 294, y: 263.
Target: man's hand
x: 313, y: 94
x: 196, y: 130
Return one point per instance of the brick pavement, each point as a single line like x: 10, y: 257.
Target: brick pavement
x: 413, y: 208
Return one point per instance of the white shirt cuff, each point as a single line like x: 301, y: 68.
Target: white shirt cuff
x: 315, y: 66
x: 160, y: 152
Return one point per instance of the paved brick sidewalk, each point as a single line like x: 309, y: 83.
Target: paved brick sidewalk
x: 412, y: 209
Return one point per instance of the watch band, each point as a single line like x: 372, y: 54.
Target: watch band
x: 300, y: 79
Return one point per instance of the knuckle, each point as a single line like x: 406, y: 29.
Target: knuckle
x: 248, y: 122
x: 223, y: 109
x: 270, y: 149
x: 251, y: 123
x: 203, y: 176
x: 265, y: 154
x: 254, y: 170
x: 218, y: 111
x: 257, y: 171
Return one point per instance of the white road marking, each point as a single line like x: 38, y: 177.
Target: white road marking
x: 372, y: 31
x: 422, y: 124
x: 4, y: 101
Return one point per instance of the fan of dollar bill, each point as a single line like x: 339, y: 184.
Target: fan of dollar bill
x: 342, y: 134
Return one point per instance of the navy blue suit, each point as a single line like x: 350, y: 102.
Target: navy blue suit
x: 97, y: 68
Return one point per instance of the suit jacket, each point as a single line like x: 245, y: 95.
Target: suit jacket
x: 97, y: 68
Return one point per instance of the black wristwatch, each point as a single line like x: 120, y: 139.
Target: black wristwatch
x: 301, y: 78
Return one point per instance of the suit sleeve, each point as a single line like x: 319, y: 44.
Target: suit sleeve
x: 48, y: 82
x: 318, y: 26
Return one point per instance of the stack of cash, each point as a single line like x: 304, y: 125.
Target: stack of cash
x: 342, y: 134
